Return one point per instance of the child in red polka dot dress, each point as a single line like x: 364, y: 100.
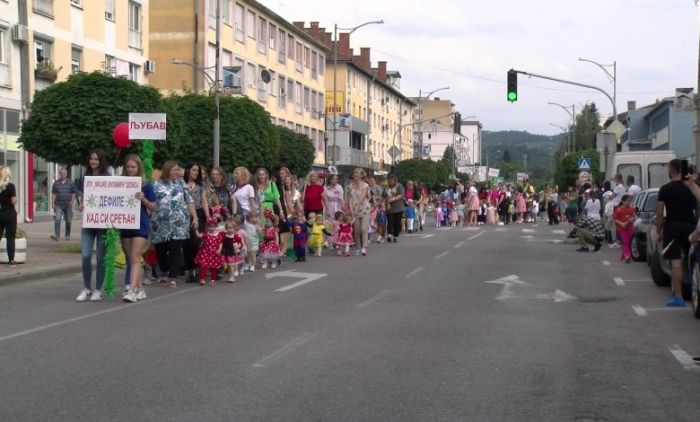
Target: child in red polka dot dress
x: 209, y: 256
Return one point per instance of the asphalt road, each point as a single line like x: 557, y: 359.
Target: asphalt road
x: 494, y: 324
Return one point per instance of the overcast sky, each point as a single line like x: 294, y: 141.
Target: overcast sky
x: 470, y: 44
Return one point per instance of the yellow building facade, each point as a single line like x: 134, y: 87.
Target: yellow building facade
x: 281, y: 67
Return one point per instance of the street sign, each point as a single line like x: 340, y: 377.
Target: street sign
x: 616, y: 128
x: 149, y: 126
x: 584, y: 164
x: 394, y: 152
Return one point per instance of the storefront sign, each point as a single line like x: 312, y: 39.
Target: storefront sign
x: 109, y: 202
x: 337, y: 105
x: 148, y: 126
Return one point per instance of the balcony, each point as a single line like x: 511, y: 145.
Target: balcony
x: 134, y: 39
x: 344, y: 156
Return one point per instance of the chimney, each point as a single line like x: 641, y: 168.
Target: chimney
x: 381, y: 71
x: 299, y: 25
x: 365, y: 58
x: 314, y: 31
x: 631, y: 105
x: 344, y: 46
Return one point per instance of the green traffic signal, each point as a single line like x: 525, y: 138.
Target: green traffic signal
x: 512, y: 96
x: 512, y: 86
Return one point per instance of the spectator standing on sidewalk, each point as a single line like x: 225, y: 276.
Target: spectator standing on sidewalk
x: 632, y: 188
x: 674, y: 230
x: 8, y: 214
x: 394, y: 197
x: 63, y: 194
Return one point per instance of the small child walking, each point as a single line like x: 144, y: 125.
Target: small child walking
x: 410, y: 213
x: 209, y: 256
x: 381, y: 223
x: 490, y: 214
x: 300, y: 236
x: 317, y: 235
x: 534, y: 211
x: 624, y: 216
x: 270, y: 249
x: 253, y: 235
x: 453, y: 217
x: 233, y: 248
x: 344, y: 237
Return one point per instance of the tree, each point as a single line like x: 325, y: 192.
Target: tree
x: 247, y: 137
x: 587, y: 127
x: 506, y: 156
x: 433, y: 174
x: 448, y: 157
x: 296, y: 151
x: 567, y: 170
x: 72, y: 117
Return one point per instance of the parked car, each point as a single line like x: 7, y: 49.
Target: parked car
x: 694, y: 266
x: 645, y: 204
x: 661, y: 268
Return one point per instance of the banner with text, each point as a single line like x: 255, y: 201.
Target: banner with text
x: 337, y: 105
x: 147, y: 126
x: 109, y: 202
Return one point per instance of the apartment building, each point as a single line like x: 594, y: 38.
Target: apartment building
x: 372, y: 117
x: 44, y: 41
x: 280, y: 66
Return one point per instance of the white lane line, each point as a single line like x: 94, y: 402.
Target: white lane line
x: 414, y: 272
x: 501, y: 229
x: 619, y: 281
x: 475, y: 236
x: 640, y: 311
x: 441, y: 255
x: 528, y: 230
x: 558, y: 232
x: 670, y: 308
x: 427, y: 236
x: 94, y: 314
x: 284, y: 350
x: 606, y: 263
x: 459, y: 245
x: 374, y: 299
x: 684, y: 358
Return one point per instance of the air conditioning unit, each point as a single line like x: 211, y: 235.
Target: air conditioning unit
x: 20, y: 33
x: 150, y: 66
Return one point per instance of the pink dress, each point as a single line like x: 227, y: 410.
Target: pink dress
x: 473, y: 202
x: 520, y: 206
x: 491, y: 215
x: 269, y: 248
x: 344, y: 236
x: 208, y: 255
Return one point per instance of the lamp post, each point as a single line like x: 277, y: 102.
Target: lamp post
x: 612, y: 77
x: 420, y: 116
x: 335, y: 76
x: 573, y: 121
x: 568, y: 134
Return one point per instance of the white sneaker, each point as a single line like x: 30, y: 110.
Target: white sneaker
x: 357, y: 252
x: 264, y: 266
x: 141, y: 294
x: 83, y: 296
x: 235, y: 273
x: 242, y: 271
x: 251, y: 268
x: 130, y: 297
x: 96, y: 296
x: 273, y: 265
x: 246, y: 266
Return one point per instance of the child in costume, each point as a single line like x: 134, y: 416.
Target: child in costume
x: 344, y: 237
x: 233, y: 248
x: 300, y: 236
x: 209, y: 256
x: 317, y: 235
x: 270, y: 248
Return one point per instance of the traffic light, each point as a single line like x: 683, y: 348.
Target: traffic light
x: 512, y: 86
x: 457, y: 126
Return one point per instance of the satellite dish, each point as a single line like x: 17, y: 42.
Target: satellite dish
x: 265, y: 76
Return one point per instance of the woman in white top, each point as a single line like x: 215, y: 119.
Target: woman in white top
x: 243, y: 195
x: 592, y: 206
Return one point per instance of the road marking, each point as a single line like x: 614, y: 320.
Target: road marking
x: 528, y: 230
x: 94, y: 314
x: 530, y: 239
x: 619, y: 281
x: 501, y: 229
x: 307, y: 278
x: 427, y: 236
x: 558, y: 232
x: 284, y: 350
x: 640, y: 311
x: 684, y: 358
x: 459, y: 245
x: 475, y: 236
x: 469, y: 229
x: 414, y: 272
x: 441, y: 255
x: 606, y: 263
x: 374, y: 299
x: 622, y: 282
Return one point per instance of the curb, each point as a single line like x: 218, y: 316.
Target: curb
x: 31, y: 274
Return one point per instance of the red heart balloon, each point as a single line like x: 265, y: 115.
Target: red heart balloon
x: 120, y: 135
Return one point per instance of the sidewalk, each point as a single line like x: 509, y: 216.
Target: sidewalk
x: 45, y: 256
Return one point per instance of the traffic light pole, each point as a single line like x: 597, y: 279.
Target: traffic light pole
x: 534, y: 75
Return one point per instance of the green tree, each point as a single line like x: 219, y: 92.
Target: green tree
x: 587, y: 127
x: 296, y: 151
x: 448, y: 157
x: 567, y: 169
x: 506, y: 156
x: 247, y: 136
x: 71, y: 117
x: 433, y: 174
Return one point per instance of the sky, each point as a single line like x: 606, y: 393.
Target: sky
x: 469, y: 45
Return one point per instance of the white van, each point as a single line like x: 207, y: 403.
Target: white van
x: 649, y: 168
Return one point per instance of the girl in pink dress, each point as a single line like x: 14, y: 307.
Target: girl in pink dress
x: 270, y: 248
x: 490, y: 214
x: 520, y: 206
x: 209, y: 256
x: 233, y: 249
x: 344, y: 236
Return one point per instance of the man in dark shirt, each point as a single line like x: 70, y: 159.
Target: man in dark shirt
x: 63, y: 195
x: 673, y: 230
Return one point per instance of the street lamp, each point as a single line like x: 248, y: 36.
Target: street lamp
x: 612, y: 77
x: 335, y: 76
x: 563, y: 129
x: 420, y: 115
x: 573, y: 121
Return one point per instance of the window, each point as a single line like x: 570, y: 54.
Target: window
x: 298, y: 92
x: 273, y: 37
x: 314, y: 138
x: 134, y: 25
x: 262, y: 36
x: 134, y: 71
x: 307, y: 99
x: 212, y: 14
x: 226, y: 12
x: 238, y: 22
x: 313, y: 106
x: 250, y: 76
x: 109, y: 9
x: 241, y: 73
x: 282, y: 98
x: 282, y: 54
x: 298, y: 128
x: 75, y: 59
x: 319, y: 104
x: 250, y: 23
x: 314, y: 65
x: 262, y: 88
x: 290, y: 90
x: 272, y: 86
x: 42, y: 51
x: 290, y: 47
x: 307, y: 57
x: 321, y: 64
x: 44, y: 7
x: 298, y: 54
x: 4, y: 64
x: 110, y: 65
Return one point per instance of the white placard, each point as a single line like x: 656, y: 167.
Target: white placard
x: 109, y: 202
x: 493, y: 172
x: 521, y: 176
x: 148, y: 126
